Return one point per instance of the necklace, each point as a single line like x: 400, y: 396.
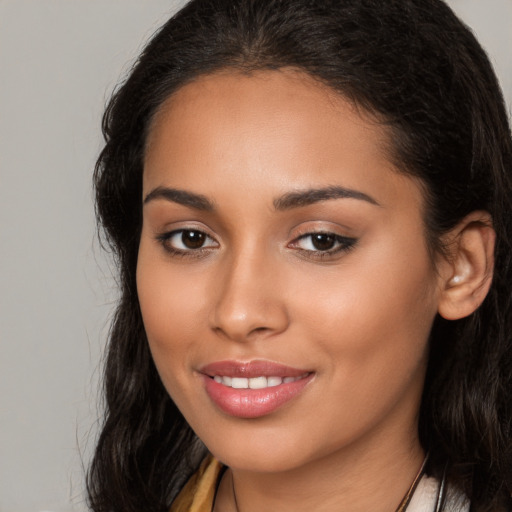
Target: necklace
x: 406, y: 499
x: 408, y: 495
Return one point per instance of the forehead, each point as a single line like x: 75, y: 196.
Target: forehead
x: 286, y: 103
x: 270, y: 130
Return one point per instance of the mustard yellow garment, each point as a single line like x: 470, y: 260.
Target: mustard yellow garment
x: 199, y: 492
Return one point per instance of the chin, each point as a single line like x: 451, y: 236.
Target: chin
x: 265, y: 452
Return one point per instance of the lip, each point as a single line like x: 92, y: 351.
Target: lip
x: 253, y: 403
x: 251, y: 369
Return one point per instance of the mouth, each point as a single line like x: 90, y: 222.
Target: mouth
x: 254, y: 389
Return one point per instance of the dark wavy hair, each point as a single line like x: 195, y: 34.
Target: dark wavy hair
x: 422, y: 73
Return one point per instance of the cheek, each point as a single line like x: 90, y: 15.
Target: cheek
x: 372, y: 316
x: 169, y: 303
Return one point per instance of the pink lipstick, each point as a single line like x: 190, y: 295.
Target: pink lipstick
x: 254, y: 389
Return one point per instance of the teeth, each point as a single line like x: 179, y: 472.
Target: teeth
x: 258, y: 383
x: 239, y: 382
x: 274, y: 381
x: 255, y: 382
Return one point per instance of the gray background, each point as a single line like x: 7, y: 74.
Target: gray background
x: 59, y: 61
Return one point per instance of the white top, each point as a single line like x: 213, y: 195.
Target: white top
x: 425, y: 496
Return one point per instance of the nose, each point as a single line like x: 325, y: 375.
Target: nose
x: 249, y: 300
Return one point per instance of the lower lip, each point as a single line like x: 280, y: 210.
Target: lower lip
x: 253, y: 403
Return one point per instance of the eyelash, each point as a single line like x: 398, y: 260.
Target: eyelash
x: 342, y: 244
x: 165, y: 240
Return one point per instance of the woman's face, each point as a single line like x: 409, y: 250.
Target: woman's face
x: 283, y: 275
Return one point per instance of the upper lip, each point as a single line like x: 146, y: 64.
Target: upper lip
x: 257, y: 368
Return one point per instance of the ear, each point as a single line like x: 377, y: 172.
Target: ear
x: 467, y: 267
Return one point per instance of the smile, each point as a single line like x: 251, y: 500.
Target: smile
x: 261, y: 382
x: 253, y: 389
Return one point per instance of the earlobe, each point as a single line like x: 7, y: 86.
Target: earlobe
x: 467, y: 269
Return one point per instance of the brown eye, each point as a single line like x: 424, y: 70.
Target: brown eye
x: 187, y: 241
x: 323, y: 241
x: 192, y: 239
x: 323, y: 244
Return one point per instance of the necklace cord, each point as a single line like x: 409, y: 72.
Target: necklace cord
x: 408, y: 495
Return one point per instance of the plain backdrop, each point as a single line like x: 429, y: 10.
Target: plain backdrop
x: 59, y: 61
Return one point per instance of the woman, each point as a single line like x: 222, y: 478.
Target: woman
x: 310, y: 206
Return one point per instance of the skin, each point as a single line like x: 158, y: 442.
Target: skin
x: 358, y: 319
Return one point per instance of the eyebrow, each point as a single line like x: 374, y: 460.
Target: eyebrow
x: 197, y: 201
x: 287, y: 201
x: 307, y: 197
